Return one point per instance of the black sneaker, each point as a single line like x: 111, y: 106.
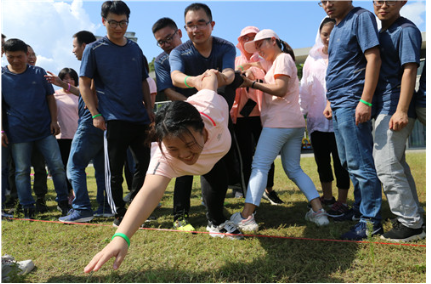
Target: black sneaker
x: 338, y: 209
x: 29, y: 213
x: 117, y: 221
x: 401, y: 233
x: 64, y: 207
x: 41, y: 206
x: 350, y: 215
x: 327, y: 202
x: 272, y: 197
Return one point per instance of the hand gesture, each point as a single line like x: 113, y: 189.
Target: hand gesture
x: 53, y: 79
x: 4, y: 139
x: 55, y: 128
x: 398, y: 121
x: 99, y: 122
x: 327, y: 112
x: 116, y: 248
x: 362, y: 114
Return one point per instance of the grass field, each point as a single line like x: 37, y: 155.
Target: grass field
x: 60, y: 251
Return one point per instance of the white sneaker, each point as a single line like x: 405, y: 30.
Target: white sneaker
x: 222, y: 230
x: 248, y: 224
x: 319, y: 217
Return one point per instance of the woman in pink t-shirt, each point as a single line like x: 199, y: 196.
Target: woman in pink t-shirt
x: 67, y: 115
x: 283, y: 129
x: 193, y: 137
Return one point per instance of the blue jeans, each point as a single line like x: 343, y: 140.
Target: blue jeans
x: 21, y: 153
x: 87, y: 145
x: 287, y: 142
x: 355, y: 149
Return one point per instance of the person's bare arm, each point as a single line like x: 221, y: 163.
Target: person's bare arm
x: 142, y: 206
x: 146, y: 97
x: 279, y: 88
x: 174, y: 95
x: 53, y: 79
x: 400, y: 118
x: 90, y: 100
x: 52, y: 106
x: 372, y: 70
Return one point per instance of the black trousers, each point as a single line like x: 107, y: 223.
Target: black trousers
x: 247, y: 130
x: 121, y: 135
x: 324, y: 144
x: 65, y: 145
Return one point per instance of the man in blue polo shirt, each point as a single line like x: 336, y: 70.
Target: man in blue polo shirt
x: 192, y: 58
x: 352, y: 75
x: 116, y: 64
x: 30, y: 118
x: 400, y: 43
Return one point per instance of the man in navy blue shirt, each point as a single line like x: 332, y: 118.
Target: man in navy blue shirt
x: 30, y: 118
x: 168, y: 37
x: 117, y: 66
x: 352, y: 75
x: 400, y: 43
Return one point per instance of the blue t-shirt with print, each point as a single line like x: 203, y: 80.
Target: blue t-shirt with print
x: 118, y: 73
x: 399, y: 44
x: 187, y: 59
x: 25, y: 109
x: 349, y: 40
x: 163, y: 73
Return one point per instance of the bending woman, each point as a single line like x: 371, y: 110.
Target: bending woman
x: 193, y: 137
x: 283, y: 129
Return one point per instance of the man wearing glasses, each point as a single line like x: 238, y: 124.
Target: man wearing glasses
x: 351, y: 79
x: 400, y: 42
x: 168, y: 37
x: 117, y: 66
x: 192, y: 58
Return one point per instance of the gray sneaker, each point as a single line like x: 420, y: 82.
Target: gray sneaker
x: 248, y: 224
x: 227, y: 229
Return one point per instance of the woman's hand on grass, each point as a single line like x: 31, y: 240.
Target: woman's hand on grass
x: 116, y: 248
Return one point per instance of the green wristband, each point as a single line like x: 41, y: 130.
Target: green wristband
x: 241, y: 67
x: 126, y: 238
x: 97, y: 115
x: 366, y: 103
x: 185, y: 82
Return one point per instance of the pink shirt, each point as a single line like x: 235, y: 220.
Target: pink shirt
x: 214, y: 111
x: 67, y: 114
x: 282, y: 112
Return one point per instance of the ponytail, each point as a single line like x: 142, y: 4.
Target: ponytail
x: 285, y: 47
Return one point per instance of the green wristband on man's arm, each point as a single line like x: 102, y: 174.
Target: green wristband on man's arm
x: 366, y: 103
x: 97, y: 115
x: 126, y: 238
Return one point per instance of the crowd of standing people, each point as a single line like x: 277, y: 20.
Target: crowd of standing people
x: 252, y: 107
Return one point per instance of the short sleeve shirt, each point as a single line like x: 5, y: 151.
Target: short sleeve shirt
x: 349, y: 40
x: 282, y: 112
x: 25, y: 109
x: 214, y: 112
x: 67, y: 114
x: 163, y: 73
x: 118, y: 73
x: 186, y: 59
x: 399, y: 44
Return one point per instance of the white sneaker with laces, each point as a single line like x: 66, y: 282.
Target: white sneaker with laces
x: 222, y: 230
x: 248, y: 224
x: 319, y: 218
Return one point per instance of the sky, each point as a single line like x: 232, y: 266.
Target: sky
x: 48, y: 25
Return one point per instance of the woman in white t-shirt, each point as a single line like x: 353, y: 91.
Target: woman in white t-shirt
x: 192, y: 136
x: 283, y: 129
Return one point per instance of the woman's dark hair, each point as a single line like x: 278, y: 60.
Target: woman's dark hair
x: 116, y: 7
x: 72, y: 73
x: 174, y: 119
x: 325, y: 21
x: 285, y: 47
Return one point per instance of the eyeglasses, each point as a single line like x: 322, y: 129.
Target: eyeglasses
x: 247, y: 38
x: 324, y: 3
x: 380, y: 3
x: 199, y: 26
x: 113, y: 24
x: 169, y: 39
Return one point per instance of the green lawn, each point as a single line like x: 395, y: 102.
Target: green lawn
x: 60, y: 251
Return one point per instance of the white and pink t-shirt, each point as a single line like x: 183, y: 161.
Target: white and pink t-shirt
x: 67, y: 114
x: 214, y: 111
x: 282, y: 112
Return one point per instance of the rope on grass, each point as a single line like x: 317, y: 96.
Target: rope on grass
x: 245, y: 235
